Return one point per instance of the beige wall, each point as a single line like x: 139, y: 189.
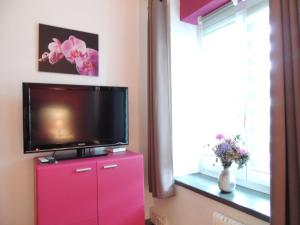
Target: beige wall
x: 121, y: 27
x: 190, y: 208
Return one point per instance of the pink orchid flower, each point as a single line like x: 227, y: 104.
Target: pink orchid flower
x: 44, y: 57
x: 88, y: 64
x: 55, y: 53
x: 73, y: 48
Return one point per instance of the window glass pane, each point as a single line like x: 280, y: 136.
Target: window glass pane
x: 222, y: 87
x: 258, y: 97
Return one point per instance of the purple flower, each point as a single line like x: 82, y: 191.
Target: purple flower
x: 220, y: 136
x: 228, y: 151
x: 229, y: 140
x: 222, y: 149
x: 242, y: 151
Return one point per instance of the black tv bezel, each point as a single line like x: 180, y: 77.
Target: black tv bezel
x: 68, y: 146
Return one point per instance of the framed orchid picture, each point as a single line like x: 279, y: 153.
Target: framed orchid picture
x: 67, y: 51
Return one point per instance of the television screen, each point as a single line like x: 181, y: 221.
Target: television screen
x: 60, y: 117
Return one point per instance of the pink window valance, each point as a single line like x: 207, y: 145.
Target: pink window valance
x: 190, y: 10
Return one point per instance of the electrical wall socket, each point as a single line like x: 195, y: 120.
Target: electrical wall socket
x: 157, y: 219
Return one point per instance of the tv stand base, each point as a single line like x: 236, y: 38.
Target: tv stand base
x: 80, y: 154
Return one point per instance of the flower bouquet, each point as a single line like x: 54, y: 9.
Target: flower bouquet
x: 229, y: 150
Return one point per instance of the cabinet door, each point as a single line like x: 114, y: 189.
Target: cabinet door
x: 66, y: 194
x: 121, y: 191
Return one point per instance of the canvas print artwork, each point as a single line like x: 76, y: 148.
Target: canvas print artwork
x: 67, y: 51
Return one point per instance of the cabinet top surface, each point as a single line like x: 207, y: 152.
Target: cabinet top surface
x: 110, y: 156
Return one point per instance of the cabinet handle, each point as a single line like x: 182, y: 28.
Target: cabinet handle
x: 110, y: 166
x: 83, y: 170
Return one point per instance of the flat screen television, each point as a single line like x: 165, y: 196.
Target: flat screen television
x: 64, y: 117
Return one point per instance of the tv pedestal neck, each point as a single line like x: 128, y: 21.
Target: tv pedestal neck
x: 79, y: 153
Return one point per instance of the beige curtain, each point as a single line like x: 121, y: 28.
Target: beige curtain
x: 285, y: 112
x: 161, y: 182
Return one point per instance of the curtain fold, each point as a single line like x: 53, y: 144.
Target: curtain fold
x: 285, y: 112
x: 161, y: 181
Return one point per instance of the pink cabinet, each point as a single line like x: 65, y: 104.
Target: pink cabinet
x: 106, y: 190
x: 66, y: 193
x: 120, y: 191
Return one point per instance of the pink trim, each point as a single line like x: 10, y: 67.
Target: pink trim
x: 190, y: 10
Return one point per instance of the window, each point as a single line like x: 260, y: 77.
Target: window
x: 224, y: 87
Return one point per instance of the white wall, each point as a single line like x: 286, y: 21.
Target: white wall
x: 121, y: 27
x: 187, y: 207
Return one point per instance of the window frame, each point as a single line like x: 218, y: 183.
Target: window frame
x: 224, y: 17
x: 210, y: 21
